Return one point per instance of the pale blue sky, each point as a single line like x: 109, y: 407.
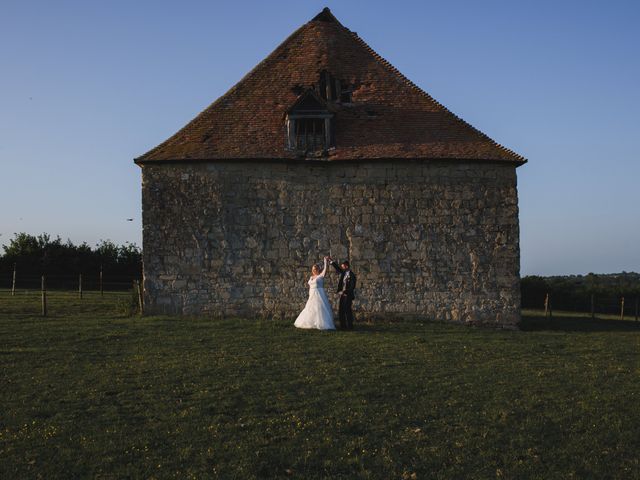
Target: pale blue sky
x: 86, y: 86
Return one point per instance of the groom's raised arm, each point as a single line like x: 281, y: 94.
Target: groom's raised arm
x: 336, y: 266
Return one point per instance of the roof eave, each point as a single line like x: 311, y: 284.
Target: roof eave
x: 172, y: 161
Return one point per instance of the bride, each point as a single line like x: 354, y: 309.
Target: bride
x: 317, y: 312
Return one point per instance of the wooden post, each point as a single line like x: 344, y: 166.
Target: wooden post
x: 622, y: 308
x: 327, y: 88
x: 13, y: 283
x: 101, y: 287
x: 80, y: 286
x: 137, y: 290
x: 593, y: 308
x: 44, y: 297
x: 547, y: 307
x: 140, y: 297
x: 636, y: 309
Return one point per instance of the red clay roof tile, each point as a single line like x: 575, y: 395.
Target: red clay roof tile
x: 389, y: 116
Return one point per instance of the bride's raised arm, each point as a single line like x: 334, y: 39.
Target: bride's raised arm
x: 324, y: 270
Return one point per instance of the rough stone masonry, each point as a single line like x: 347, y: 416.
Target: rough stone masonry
x: 326, y: 148
x: 434, y: 240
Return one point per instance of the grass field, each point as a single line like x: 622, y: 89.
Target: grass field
x: 90, y: 393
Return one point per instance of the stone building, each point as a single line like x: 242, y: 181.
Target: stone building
x: 324, y: 147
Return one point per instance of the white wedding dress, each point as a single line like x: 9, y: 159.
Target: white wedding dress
x: 317, y: 312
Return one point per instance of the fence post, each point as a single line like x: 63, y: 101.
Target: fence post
x: 101, y: 288
x: 622, y: 308
x: 593, y: 308
x: 80, y: 285
x: 636, y: 309
x: 13, y: 283
x: 547, y: 306
x: 44, y: 297
x: 140, y: 297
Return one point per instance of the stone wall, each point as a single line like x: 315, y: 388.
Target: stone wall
x: 434, y: 240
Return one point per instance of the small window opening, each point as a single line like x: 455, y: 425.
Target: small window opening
x: 333, y: 89
x: 326, y: 86
x: 329, y: 86
x: 309, y: 123
x: 346, y: 92
x: 309, y: 133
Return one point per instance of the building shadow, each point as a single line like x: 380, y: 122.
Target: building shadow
x: 572, y: 323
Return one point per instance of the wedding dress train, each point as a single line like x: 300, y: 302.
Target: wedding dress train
x: 317, y: 312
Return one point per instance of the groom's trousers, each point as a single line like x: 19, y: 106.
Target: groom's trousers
x: 345, y: 313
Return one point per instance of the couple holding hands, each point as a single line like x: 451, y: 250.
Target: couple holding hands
x: 317, y: 312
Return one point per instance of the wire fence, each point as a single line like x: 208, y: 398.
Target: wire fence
x: 70, y: 294
x: 625, y: 307
x: 98, y: 282
x: 33, y: 294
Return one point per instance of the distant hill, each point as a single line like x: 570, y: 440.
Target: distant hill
x: 602, y: 277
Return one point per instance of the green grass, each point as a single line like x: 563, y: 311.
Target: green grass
x: 88, y: 393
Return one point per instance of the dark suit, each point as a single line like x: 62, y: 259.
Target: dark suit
x: 346, y: 289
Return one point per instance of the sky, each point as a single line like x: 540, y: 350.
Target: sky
x: 86, y: 86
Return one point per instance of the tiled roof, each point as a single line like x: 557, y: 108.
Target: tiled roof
x: 388, y: 116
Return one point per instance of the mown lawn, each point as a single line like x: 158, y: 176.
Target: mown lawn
x: 90, y: 393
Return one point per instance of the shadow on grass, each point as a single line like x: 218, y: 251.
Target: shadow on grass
x: 568, y: 323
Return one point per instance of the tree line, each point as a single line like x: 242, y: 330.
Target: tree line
x: 33, y: 256
x: 576, y: 292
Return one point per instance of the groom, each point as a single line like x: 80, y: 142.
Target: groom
x: 346, y: 290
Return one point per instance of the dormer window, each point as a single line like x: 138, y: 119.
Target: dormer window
x: 309, y: 124
x: 310, y: 133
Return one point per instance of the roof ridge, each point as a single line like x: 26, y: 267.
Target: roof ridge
x: 325, y: 16
x: 383, y: 61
